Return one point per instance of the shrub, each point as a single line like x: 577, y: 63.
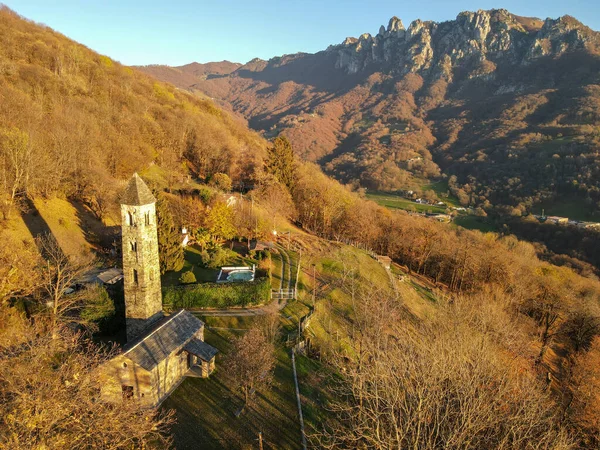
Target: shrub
x: 221, y: 181
x: 217, y: 295
x: 187, y: 277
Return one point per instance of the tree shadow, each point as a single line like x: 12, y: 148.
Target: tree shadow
x: 103, y: 239
x: 35, y: 223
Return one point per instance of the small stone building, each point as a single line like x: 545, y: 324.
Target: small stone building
x: 161, y: 350
x: 152, y: 366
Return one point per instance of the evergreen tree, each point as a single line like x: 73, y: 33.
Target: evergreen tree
x: 280, y: 162
x: 170, y: 251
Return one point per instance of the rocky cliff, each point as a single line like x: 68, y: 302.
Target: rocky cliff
x: 473, y: 38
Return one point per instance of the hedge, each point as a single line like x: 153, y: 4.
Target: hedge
x: 217, y: 295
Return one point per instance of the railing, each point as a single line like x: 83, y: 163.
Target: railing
x: 283, y: 294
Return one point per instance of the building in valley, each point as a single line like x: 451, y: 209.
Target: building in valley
x: 161, y: 350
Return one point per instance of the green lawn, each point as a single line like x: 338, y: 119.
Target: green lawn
x: 572, y: 207
x: 475, y: 223
x: 193, y: 261
x: 394, y: 201
x: 205, y: 408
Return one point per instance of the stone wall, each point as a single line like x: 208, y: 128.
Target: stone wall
x: 121, y: 371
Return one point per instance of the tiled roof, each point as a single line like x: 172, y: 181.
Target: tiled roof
x: 169, y: 335
x: 137, y: 193
x: 201, y: 349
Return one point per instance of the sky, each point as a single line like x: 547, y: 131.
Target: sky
x: 182, y: 31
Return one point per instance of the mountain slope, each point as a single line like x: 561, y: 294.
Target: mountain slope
x: 507, y: 104
x: 74, y: 123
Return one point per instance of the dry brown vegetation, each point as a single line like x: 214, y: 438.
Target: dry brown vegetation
x: 74, y: 121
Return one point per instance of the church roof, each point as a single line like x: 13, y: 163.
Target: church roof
x: 137, y: 193
x: 201, y: 349
x: 169, y: 335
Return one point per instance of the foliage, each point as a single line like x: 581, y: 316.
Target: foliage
x: 216, y: 257
x: 221, y: 181
x: 280, y: 162
x: 218, y: 295
x: 170, y: 251
x: 98, y: 305
x: 63, y: 99
x: 187, y: 277
x: 49, y: 395
x: 219, y: 221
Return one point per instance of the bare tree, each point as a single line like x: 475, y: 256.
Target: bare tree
x: 58, y: 274
x: 15, y: 162
x: 50, y: 397
x: 441, y: 385
x: 251, y: 362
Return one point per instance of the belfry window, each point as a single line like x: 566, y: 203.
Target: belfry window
x: 130, y: 218
x: 147, y: 218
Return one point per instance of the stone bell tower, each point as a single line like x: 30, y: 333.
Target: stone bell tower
x: 141, y: 272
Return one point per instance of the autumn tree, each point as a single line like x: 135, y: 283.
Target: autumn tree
x: 251, y: 362
x: 219, y: 221
x: 221, y: 181
x: 50, y: 395
x: 280, y: 162
x: 170, y: 251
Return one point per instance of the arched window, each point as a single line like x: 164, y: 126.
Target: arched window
x: 130, y: 218
x: 147, y: 218
x: 135, y: 276
x: 133, y: 246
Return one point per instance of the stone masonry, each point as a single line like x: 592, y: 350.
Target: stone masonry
x: 141, y: 272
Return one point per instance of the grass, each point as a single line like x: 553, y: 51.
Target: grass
x: 64, y: 222
x: 475, y: 223
x: 205, y: 408
x: 234, y: 322
x: 572, y: 207
x: 193, y: 262
x: 442, y: 191
x: 394, y: 201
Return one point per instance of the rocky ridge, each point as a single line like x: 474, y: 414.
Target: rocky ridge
x: 474, y: 37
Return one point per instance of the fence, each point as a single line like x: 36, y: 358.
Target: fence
x: 283, y: 294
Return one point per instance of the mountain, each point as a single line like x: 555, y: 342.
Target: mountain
x: 507, y: 107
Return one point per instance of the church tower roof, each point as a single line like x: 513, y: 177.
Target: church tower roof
x: 137, y: 193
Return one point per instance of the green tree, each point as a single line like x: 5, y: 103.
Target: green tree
x: 280, y: 162
x: 220, y: 221
x: 170, y: 251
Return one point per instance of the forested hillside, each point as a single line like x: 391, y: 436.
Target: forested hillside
x: 505, y: 105
x: 73, y: 122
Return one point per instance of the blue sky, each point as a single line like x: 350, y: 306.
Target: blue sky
x: 179, y: 32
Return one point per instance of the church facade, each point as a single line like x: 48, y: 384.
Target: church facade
x: 160, y: 350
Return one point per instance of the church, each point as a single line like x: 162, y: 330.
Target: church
x: 160, y: 350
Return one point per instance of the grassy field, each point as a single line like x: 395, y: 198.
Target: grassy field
x: 475, y: 223
x: 205, y: 408
x: 572, y: 207
x: 442, y: 191
x: 394, y: 201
